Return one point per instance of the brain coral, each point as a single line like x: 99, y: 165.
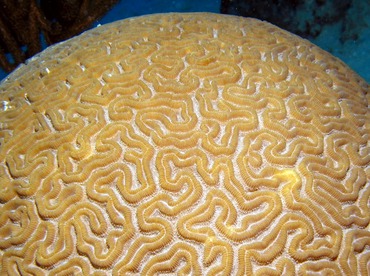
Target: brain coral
x: 195, y: 144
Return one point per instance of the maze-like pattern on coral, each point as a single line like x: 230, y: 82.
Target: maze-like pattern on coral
x: 184, y: 143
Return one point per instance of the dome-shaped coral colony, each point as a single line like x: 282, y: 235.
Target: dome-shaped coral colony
x: 187, y: 143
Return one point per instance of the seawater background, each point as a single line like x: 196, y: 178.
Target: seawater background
x: 355, y: 53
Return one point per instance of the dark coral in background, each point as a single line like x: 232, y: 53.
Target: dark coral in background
x: 28, y: 24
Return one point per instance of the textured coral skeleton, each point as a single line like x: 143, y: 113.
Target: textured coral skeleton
x: 189, y: 144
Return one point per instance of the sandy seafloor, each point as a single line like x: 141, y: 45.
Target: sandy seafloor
x: 355, y: 53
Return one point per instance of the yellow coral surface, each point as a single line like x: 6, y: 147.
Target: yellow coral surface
x: 195, y: 144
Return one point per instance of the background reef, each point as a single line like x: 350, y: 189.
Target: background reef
x: 28, y: 26
x: 340, y: 27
